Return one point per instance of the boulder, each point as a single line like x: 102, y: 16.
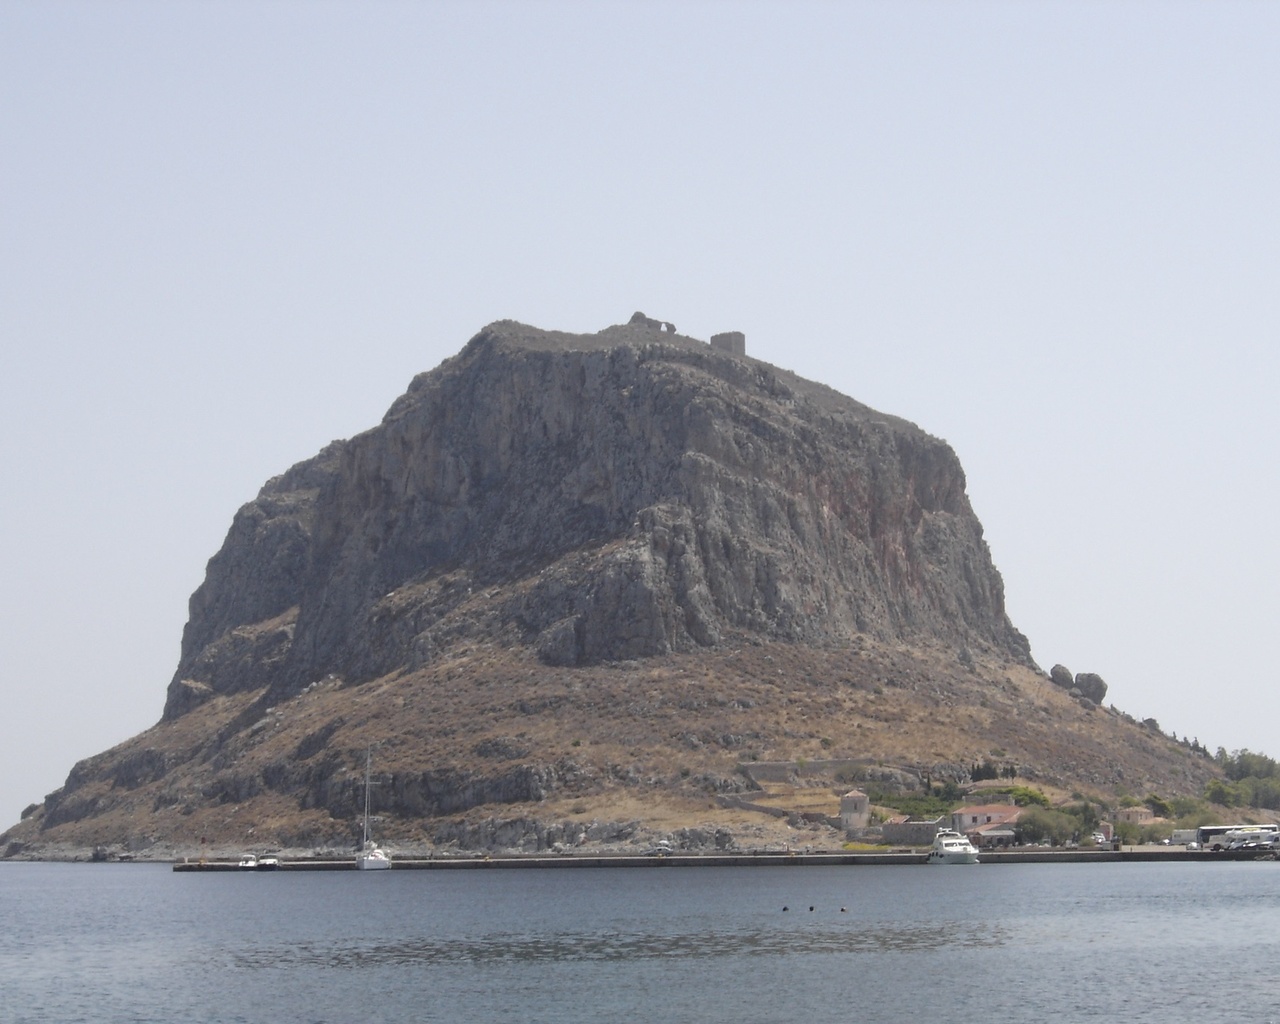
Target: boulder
x: 1090, y: 684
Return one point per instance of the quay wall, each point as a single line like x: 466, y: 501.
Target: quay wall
x: 573, y: 860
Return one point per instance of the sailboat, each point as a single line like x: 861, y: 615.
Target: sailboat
x: 371, y: 856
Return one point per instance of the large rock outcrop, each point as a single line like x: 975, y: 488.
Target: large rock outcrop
x: 573, y: 585
x: 598, y: 497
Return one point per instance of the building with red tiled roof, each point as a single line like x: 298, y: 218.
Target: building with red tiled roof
x: 986, y: 824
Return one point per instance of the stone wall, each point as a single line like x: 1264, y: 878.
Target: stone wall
x: 911, y: 833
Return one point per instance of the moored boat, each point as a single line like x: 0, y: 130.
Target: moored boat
x: 950, y: 847
x: 371, y: 856
x: 252, y: 862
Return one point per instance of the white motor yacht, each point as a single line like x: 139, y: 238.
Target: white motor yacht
x: 951, y: 847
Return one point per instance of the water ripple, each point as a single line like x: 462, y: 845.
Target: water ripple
x: 616, y: 946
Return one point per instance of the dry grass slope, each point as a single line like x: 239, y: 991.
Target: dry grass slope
x: 655, y: 741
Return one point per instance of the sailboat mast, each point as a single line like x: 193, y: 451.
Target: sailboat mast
x: 368, y: 759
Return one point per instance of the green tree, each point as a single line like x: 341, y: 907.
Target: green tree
x: 1086, y: 813
x: 1127, y: 832
x: 1186, y: 806
x: 950, y: 792
x: 1245, y: 764
x: 987, y: 770
x: 1036, y: 824
x: 1204, y: 816
x: 1266, y: 793
x: 1229, y: 794
x: 1024, y: 796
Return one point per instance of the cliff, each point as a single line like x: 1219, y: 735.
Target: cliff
x: 632, y: 493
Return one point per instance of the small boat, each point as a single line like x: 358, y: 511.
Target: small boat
x: 951, y: 847
x: 371, y: 856
x: 252, y: 862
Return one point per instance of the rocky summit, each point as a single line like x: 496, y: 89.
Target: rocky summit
x: 594, y: 588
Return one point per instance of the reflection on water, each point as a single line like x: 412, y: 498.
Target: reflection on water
x: 606, y: 946
x: 1146, y: 944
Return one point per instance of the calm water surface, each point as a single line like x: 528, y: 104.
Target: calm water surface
x: 1069, y: 942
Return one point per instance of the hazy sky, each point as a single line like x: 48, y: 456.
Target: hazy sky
x: 1045, y: 232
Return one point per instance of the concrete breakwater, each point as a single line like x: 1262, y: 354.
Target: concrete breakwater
x: 725, y: 860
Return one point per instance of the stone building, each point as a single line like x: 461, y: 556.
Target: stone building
x: 906, y: 831
x: 855, y: 810
x: 733, y: 342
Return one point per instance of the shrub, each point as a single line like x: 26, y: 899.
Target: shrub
x: 924, y: 808
x: 1154, y: 833
x: 1025, y: 796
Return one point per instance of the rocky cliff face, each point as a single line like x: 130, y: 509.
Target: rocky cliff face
x: 618, y: 495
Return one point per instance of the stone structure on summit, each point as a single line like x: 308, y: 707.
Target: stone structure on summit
x: 733, y: 342
x: 638, y: 319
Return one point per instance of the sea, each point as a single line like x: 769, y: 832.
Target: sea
x: 1026, y: 942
